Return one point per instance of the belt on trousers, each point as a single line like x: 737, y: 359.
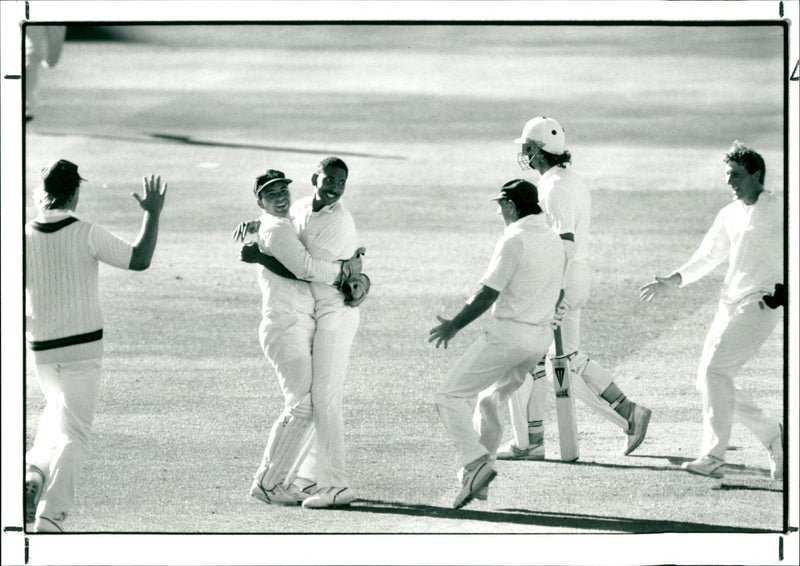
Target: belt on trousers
x: 39, y: 345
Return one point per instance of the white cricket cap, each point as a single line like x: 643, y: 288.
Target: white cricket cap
x: 546, y: 133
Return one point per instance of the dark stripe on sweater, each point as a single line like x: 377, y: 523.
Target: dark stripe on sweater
x: 50, y: 227
x: 39, y: 345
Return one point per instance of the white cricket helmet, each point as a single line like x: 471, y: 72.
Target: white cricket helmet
x: 545, y: 133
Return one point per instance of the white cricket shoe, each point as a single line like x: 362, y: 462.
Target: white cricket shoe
x: 776, y: 457
x: 279, y: 495
x: 34, y: 482
x: 710, y: 466
x: 637, y: 427
x: 327, y: 497
x: 510, y: 451
x: 474, y: 481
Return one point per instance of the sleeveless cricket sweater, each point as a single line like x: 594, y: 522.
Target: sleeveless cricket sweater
x: 63, y: 315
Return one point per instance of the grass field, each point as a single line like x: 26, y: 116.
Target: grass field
x: 424, y: 116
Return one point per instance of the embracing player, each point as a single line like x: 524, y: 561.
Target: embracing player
x: 327, y: 229
x: 286, y: 334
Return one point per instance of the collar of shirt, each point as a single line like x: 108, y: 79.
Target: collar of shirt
x: 267, y: 218
x: 327, y: 209
x: 764, y: 196
x: 529, y: 220
x: 554, y: 171
x: 54, y: 215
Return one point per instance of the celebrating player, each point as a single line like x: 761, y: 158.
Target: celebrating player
x: 567, y: 203
x: 748, y: 233
x: 328, y: 231
x: 286, y: 333
x: 521, y: 285
x: 64, y: 329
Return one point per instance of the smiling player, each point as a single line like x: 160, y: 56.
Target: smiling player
x: 286, y: 334
x: 327, y: 229
x: 748, y: 233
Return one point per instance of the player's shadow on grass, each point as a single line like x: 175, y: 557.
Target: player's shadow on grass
x: 574, y: 522
x: 751, y: 479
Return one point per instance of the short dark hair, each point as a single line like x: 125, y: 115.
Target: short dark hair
x: 528, y: 210
x: 332, y: 162
x: 749, y: 158
x: 561, y: 160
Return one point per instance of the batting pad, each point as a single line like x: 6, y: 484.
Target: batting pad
x: 587, y: 378
x: 518, y: 412
x: 289, y: 442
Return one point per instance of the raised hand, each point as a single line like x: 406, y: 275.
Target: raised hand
x: 154, y: 193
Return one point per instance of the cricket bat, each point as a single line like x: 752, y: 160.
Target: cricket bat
x: 565, y: 402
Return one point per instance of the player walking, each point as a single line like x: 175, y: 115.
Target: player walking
x: 748, y: 233
x: 286, y: 333
x: 521, y: 285
x: 64, y: 329
x: 326, y: 228
x: 567, y: 203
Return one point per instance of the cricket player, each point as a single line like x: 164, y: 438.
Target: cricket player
x: 328, y: 231
x: 521, y: 286
x: 567, y: 203
x: 43, y: 46
x: 64, y: 329
x: 748, y: 232
x: 286, y: 334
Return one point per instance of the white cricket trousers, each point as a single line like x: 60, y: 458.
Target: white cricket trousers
x: 287, y: 346
x: 736, y: 334
x: 286, y: 341
x: 61, y: 446
x: 333, y: 340
x: 493, y: 367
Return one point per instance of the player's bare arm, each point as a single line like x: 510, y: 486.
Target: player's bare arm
x: 152, y: 203
x: 658, y: 285
x: 475, y: 306
x: 250, y: 253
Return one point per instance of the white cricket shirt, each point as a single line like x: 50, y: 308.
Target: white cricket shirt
x: 279, y: 236
x: 566, y: 200
x: 328, y: 234
x: 282, y: 299
x: 527, y: 268
x: 63, y: 315
x: 751, y: 238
